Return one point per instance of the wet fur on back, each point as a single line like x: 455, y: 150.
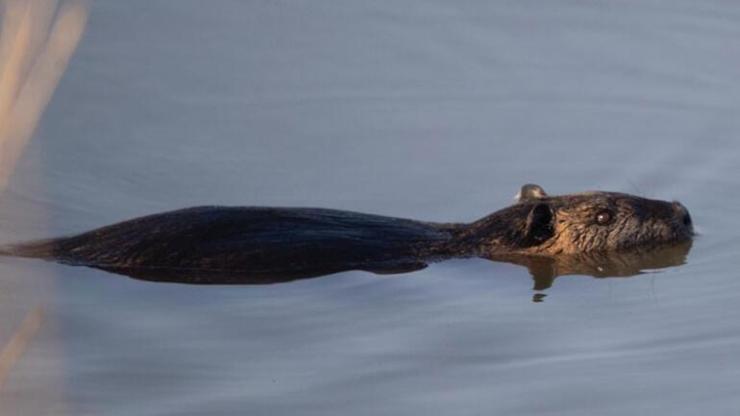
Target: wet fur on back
x: 201, y: 242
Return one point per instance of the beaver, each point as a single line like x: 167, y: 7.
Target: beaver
x: 259, y: 245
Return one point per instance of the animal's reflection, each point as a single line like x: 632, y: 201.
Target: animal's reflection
x: 627, y: 263
x: 544, y: 270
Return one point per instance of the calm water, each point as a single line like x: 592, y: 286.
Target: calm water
x: 426, y: 109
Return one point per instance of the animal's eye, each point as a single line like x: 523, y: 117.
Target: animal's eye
x: 604, y: 217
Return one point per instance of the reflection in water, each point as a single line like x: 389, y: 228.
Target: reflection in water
x: 544, y: 270
x: 18, y: 344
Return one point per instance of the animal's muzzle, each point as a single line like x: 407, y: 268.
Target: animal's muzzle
x: 683, y: 217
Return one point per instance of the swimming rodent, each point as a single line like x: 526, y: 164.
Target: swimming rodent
x: 257, y: 245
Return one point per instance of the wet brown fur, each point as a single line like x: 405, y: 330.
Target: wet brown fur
x: 566, y: 224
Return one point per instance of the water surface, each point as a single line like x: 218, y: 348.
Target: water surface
x: 430, y: 110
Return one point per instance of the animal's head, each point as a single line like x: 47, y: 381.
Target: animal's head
x: 587, y: 222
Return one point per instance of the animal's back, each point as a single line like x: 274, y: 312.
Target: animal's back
x: 240, y: 239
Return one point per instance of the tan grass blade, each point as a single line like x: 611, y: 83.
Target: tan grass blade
x: 28, y: 79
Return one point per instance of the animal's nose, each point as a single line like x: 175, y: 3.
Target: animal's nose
x: 682, y: 213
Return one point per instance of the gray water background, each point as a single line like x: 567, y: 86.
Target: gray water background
x: 432, y: 110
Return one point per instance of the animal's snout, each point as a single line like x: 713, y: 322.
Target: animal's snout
x: 682, y: 214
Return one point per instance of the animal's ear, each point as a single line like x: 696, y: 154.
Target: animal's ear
x: 530, y: 192
x: 540, y: 225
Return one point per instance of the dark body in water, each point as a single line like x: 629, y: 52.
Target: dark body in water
x: 257, y: 245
